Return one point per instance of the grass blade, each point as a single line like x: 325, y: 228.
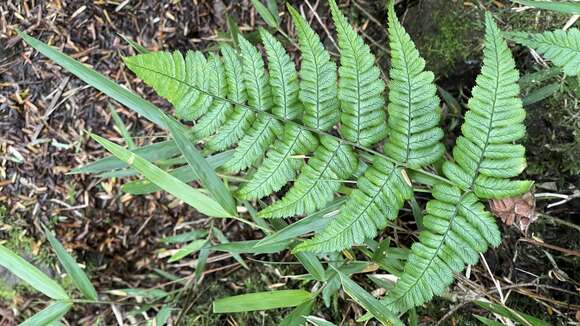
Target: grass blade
x: 312, y: 265
x: 223, y: 239
x: 261, y: 301
x: 201, y: 168
x: 165, y: 181
x: 561, y: 6
x: 367, y: 301
x: 541, y: 93
x: 136, y: 46
x: 312, y: 223
x: 317, y: 321
x: 252, y: 247
x: 183, y: 173
x: 296, y: 317
x: 192, y: 247
x: 163, y: 316
x: 265, y: 13
x: 78, y: 276
x: 30, y: 274
x: 153, y: 152
x: 100, y: 82
x: 202, y: 261
x: 122, y: 128
x: 48, y: 315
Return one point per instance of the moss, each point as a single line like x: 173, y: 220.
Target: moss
x: 553, y: 138
x: 449, y: 39
x: 533, y: 21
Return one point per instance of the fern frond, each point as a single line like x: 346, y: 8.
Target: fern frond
x: 559, y: 46
x: 318, y: 180
x: 414, y: 135
x: 380, y: 194
x: 217, y: 112
x: 360, y: 86
x: 264, y: 129
x: 169, y: 74
x: 283, y: 78
x: 484, y: 154
x: 318, y: 91
x: 414, y: 140
x: 238, y: 120
x: 279, y: 167
x: 457, y: 229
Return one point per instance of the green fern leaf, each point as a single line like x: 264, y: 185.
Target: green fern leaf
x: 318, y: 91
x: 457, y: 229
x: 318, y: 180
x: 253, y: 146
x: 414, y: 135
x: 265, y: 129
x: 170, y: 76
x: 283, y: 78
x: 380, y: 194
x: 217, y: 113
x: 239, y: 120
x: 360, y: 86
x: 559, y: 46
x: 413, y: 120
x: 483, y: 154
x: 280, y: 166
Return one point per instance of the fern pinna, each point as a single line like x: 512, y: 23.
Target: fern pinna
x: 283, y: 124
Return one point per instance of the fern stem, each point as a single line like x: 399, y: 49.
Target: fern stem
x: 314, y: 130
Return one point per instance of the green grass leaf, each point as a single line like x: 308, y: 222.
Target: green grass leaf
x: 192, y: 247
x: 568, y: 7
x: 80, y: 279
x: 122, y: 128
x: 514, y: 315
x: 223, y: 239
x: 268, y: 16
x: 261, y: 301
x: 296, y: 317
x: 193, y: 197
x: 367, y: 301
x: 153, y: 152
x: 99, y: 81
x: 48, y: 315
x: 202, y: 169
x: 30, y: 274
x: 317, y: 321
x: 183, y: 173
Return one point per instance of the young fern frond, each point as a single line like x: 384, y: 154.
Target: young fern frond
x: 457, y: 228
x: 360, y: 86
x: 559, y: 46
x: 414, y: 140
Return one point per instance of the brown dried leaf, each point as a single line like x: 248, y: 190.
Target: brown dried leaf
x: 521, y: 210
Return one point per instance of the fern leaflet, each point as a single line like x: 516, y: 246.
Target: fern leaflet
x: 318, y: 180
x: 559, y: 46
x: 359, y: 87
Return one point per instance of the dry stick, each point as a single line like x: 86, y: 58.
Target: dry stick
x: 322, y: 24
x: 553, y: 247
